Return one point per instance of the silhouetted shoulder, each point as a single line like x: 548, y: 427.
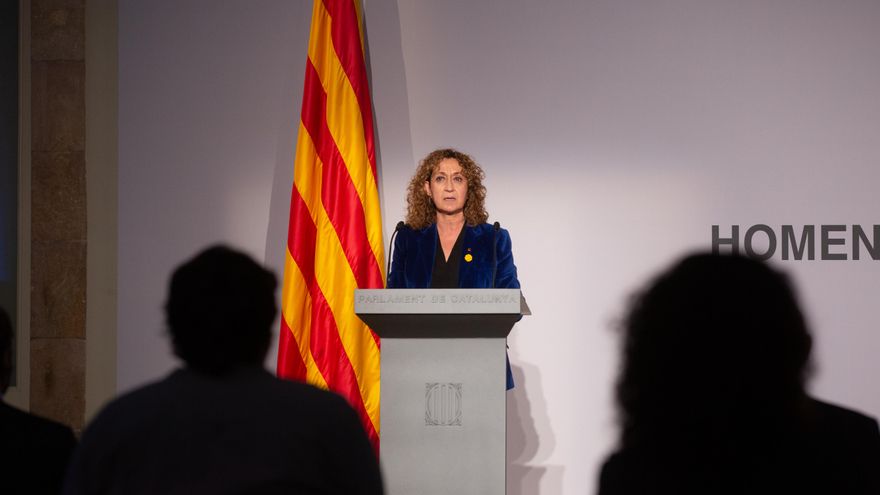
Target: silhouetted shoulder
x: 240, y: 430
x: 836, y: 450
x: 847, y: 444
x: 30, y: 424
x: 34, y: 451
x: 844, y: 433
x: 839, y: 419
x: 190, y: 389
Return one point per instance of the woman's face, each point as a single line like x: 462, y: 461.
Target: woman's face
x: 447, y: 187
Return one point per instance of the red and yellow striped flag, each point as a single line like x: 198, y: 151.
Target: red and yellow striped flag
x: 334, y: 241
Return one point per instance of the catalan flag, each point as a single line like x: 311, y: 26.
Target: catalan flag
x: 334, y: 241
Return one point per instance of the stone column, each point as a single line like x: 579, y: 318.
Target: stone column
x: 58, y: 211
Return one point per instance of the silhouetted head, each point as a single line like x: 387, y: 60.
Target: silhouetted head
x: 5, y: 350
x: 714, y: 345
x: 220, y: 309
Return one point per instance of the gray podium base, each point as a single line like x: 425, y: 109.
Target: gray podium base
x: 443, y: 416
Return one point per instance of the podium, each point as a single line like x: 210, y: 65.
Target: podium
x: 443, y: 378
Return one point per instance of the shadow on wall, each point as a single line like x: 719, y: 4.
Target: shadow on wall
x: 386, y: 71
x: 526, y: 475
x: 282, y: 180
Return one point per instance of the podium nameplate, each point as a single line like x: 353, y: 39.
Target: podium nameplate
x: 440, y: 313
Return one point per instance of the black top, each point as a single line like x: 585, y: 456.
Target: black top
x: 33, y: 452
x: 832, y: 450
x: 445, y: 273
x: 241, y: 432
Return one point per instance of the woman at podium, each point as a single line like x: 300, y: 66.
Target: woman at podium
x: 446, y: 242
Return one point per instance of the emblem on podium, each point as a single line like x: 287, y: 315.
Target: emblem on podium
x: 442, y: 404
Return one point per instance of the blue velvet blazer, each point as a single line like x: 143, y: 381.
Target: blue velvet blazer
x: 413, y: 261
x: 414, y: 251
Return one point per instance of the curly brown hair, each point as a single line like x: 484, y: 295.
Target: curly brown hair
x: 420, y: 210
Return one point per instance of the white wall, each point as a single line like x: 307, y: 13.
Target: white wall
x: 209, y: 99
x: 613, y: 134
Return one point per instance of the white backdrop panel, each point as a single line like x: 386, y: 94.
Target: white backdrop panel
x: 613, y: 135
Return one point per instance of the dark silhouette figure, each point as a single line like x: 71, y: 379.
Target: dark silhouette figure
x: 223, y: 424
x: 33, y: 451
x: 711, y: 393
